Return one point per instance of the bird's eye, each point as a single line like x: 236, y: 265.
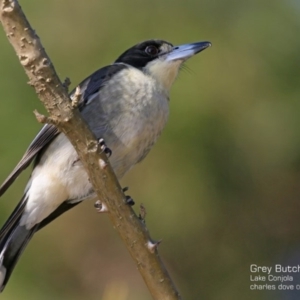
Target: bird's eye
x: 152, y: 50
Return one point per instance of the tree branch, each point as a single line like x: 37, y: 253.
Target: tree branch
x: 62, y: 113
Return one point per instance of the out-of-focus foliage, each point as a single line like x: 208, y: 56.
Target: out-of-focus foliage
x: 221, y: 187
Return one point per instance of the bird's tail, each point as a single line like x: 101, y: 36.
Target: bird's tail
x: 13, y: 240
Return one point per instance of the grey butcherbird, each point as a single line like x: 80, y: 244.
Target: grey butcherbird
x: 126, y: 104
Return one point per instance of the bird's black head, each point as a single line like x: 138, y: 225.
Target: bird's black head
x: 160, y: 59
x: 141, y: 54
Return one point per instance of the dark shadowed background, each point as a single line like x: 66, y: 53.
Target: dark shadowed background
x: 222, y: 185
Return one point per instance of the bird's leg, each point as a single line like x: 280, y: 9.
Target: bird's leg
x: 128, y: 199
x: 104, y: 148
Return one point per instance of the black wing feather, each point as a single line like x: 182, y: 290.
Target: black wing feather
x: 47, y: 133
x: 14, y: 217
x: 97, y: 80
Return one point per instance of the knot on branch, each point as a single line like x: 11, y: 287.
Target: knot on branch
x: 152, y: 246
x: 92, y: 146
x: 44, y: 119
x: 76, y: 97
x: 24, y: 59
x: 8, y: 6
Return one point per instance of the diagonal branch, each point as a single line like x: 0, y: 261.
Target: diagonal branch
x: 52, y: 93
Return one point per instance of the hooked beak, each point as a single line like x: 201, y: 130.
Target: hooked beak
x: 183, y: 52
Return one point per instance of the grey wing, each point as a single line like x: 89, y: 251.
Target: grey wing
x: 89, y: 88
x: 92, y: 85
x: 47, y: 133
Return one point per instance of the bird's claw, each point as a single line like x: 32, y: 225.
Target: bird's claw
x: 104, y: 148
x: 128, y: 199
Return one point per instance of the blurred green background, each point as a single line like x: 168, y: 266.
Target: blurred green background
x: 222, y: 185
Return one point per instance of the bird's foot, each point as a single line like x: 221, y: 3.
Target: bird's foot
x: 101, y: 207
x: 104, y: 148
x: 128, y: 199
